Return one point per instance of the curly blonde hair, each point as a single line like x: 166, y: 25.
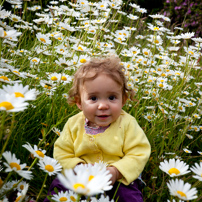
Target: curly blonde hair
x: 91, y: 69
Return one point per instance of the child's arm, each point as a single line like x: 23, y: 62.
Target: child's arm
x: 64, y: 150
x: 136, y: 151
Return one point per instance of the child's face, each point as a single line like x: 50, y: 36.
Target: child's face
x: 101, y: 100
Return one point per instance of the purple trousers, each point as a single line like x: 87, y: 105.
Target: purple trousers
x: 130, y: 193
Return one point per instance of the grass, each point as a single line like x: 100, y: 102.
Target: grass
x: 167, y: 84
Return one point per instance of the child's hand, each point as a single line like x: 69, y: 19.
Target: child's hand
x: 115, y: 174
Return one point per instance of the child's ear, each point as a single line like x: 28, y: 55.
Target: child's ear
x: 78, y: 102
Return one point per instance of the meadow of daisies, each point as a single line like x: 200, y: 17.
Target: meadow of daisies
x: 40, y: 49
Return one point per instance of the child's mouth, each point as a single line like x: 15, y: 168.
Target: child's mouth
x: 103, y: 116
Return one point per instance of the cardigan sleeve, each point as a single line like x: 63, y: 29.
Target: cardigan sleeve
x: 64, y: 149
x: 136, y: 151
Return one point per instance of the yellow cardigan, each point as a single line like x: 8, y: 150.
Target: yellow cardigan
x: 123, y: 145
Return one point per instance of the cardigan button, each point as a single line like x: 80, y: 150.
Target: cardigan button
x: 91, y: 139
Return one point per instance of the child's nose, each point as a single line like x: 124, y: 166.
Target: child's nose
x: 103, y: 105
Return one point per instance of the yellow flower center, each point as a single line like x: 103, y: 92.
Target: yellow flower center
x: 62, y: 50
x: 156, y: 41
x: 90, y: 177
x: 72, y: 198
x: 6, y: 105
x: 146, y: 53
x: 18, y: 198
x: 49, y: 168
x: 102, y: 6
x: 40, y: 153
x: 21, y: 186
x: 63, y: 199
x: 34, y: 60
x: 80, y: 48
x: 156, y: 28
x: 191, y: 52
x: 17, y: 166
x: 58, y: 133
x: 64, y: 78
x: 16, y: 72
x: 43, y: 40
x: 15, y: 19
x: 18, y: 94
x: 83, y: 60
x: 174, y: 170
x: 4, y: 78
x: 149, y: 117
x: 77, y: 185
x: 182, y: 194
x: 59, y: 38
x: 5, y: 34
x: 54, y: 78
x: 160, y: 85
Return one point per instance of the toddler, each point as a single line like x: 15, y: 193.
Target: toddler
x: 102, y: 131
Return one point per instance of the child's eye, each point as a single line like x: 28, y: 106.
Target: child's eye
x: 112, y: 97
x: 93, y: 98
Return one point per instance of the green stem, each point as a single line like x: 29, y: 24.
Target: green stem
x: 2, y: 125
x: 0, y: 47
x: 78, y: 197
x: 33, y: 163
x: 9, y: 135
x: 42, y: 187
x: 8, y: 176
x: 13, y: 187
x: 2, y: 2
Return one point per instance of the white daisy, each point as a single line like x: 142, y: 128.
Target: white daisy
x: 187, y: 150
x: 36, y: 152
x: 197, y: 170
x: 21, y: 195
x: 10, y: 34
x: 13, y: 164
x: 197, y: 40
x: 65, y: 196
x: 88, y: 181
x: 174, y: 167
x: 5, y: 79
x: 43, y: 38
x: 19, y: 91
x: 49, y: 165
x: 10, y: 103
x: 22, y: 185
x: 56, y: 131
x: 187, y: 35
x: 182, y: 190
x: 101, y: 199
